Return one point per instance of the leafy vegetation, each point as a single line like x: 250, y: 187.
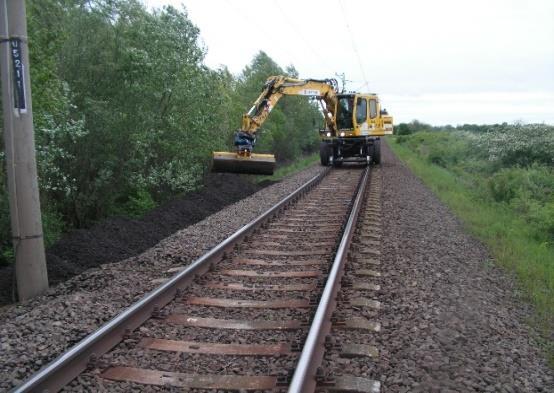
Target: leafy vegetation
x: 500, y: 182
x: 126, y: 113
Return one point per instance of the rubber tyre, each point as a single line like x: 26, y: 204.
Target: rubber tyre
x: 324, y: 153
x: 377, y: 151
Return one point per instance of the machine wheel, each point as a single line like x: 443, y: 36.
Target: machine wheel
x: 324, y: 154
x: 369, y: 153
x: 377, y: 151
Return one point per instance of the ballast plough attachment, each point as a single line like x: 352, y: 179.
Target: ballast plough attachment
x: 255, y: 164
x: 243, y: 160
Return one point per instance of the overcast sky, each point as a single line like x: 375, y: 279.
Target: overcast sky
x: 442, y: 62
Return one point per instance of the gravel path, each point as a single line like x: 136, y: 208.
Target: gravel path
x: 450, y: 322
x: 35, y: 332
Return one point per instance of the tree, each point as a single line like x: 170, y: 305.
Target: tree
x: 126, y: 113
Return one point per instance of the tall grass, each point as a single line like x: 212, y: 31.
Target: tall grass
x: 509, y: 209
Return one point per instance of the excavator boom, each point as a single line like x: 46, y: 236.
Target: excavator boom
x: 243, y: 160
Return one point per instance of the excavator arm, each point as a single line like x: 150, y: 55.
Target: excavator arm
x: 243, y: 160
x: 278, y: 86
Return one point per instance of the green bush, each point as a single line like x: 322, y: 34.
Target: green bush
x: 536, y: 181
x: 401, y: 139
x: 52, y: 226
x: 440, y: 148
x: 502, y: 186
x: 402, y: 129
x: 505, y: 164
x: 135, y: 206
x: 543, y: 218
x: 529, y: 192
x: 518, y: 144
x: 411, y: 127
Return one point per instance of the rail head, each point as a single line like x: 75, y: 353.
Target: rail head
x: 304, y: 377
x: 70, y: 364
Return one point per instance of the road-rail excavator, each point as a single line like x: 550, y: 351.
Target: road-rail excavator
x: 354, y: 123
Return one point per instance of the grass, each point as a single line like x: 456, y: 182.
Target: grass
x: 290, y: 168
x: 509, y: 239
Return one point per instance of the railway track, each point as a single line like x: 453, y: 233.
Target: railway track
x: 286, y: 303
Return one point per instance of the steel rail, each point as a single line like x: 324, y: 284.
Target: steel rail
x: 70, y: 364
x: 304, y: 378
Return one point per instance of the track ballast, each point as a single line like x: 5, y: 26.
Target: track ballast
x: 238, y: 318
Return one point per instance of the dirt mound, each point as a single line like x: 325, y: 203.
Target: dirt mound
x: 118, y: 238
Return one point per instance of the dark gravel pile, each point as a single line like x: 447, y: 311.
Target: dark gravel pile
x: 118, y: 238
x: 450, y: 321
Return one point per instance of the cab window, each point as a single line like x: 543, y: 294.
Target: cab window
x: 361, y: 110
x: 372, y: 109
x: 344, y: 113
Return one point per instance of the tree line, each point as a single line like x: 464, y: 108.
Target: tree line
x: 126, y: 113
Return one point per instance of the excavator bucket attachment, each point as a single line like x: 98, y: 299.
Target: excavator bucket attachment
x: 256, y: 164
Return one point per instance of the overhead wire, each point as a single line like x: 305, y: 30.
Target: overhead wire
x: 358, y: 57
x: 299, y: 33
x: 359, y: 88
x: 274, y: 42
x: 242, y: 13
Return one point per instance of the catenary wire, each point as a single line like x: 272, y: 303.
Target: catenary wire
x: 358, y: 57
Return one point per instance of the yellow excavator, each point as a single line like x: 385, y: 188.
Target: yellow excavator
x: 354, y: 123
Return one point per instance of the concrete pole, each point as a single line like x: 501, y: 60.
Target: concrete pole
x: 30, y: 261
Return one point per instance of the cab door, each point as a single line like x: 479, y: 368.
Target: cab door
x: 360, y: 117
x: 374, y: 119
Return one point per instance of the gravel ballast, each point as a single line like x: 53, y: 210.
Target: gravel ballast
x: 35, y: 332
x: 450, y: 319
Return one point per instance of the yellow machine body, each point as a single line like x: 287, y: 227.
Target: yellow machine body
x: 361, y: 115
x: 353, y: 124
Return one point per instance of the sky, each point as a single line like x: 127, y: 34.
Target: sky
x: 438, y: 61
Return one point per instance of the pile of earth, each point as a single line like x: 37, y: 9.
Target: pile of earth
x: 118, y: 238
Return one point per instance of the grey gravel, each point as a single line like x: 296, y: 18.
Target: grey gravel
x: 451, y: 321
x: 331, y: 210
x: 35, y: 332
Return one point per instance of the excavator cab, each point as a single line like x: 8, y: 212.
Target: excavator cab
x: 345, y: 112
